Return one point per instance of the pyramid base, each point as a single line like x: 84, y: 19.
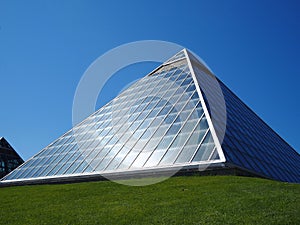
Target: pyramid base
x: 212, y: 170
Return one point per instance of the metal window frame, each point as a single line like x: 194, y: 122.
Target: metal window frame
x: 209, y: 120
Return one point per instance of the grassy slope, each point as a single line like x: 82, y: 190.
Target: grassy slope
x: 179, y: 200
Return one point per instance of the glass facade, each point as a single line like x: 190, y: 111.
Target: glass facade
x: 249, y: 143
x: 160, y: 122
x: 157, y: 122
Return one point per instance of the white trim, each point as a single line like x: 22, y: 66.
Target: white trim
x: 112, y: 172
x: 209, y: 121
x: 175, y: 165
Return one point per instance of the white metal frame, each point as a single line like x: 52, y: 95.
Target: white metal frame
x: 209, y: 120
x: 190, y: 163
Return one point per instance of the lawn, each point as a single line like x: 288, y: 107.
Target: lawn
x: 178, y: 200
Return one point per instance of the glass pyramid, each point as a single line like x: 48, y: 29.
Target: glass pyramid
x: 9, y: 158
x: 165, y: 121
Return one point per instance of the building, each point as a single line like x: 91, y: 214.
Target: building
x: 178, y: 119
x: 9, y: 158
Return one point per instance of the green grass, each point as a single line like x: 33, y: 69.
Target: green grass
x: 179, y: 200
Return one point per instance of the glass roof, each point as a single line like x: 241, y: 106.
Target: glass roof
x: 157, y: 122
x: 160, y: 122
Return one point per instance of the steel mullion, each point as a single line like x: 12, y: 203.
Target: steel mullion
x: 165, y: 81
x: 181, y: 126
x: 123, y: 123
x: 187, y: 141
x: 22, y: 174
x: 163, y: 117
x: 46, y: 148
x: 91, y: 143
x: 185, y: 66
x: 163, y: 120
x: 77, y: 142
x: 200, y: 145
x: 58, y: 148
x: 209, y: 158
x: 178, y: 115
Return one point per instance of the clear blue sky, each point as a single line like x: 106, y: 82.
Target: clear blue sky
x: 45, y: 47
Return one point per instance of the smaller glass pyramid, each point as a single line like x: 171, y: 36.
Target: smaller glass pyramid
x: 9, y: 158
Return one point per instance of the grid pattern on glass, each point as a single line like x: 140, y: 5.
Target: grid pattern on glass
x: 249, y: 142
x: 158, y: 120
x: 179, y: 55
